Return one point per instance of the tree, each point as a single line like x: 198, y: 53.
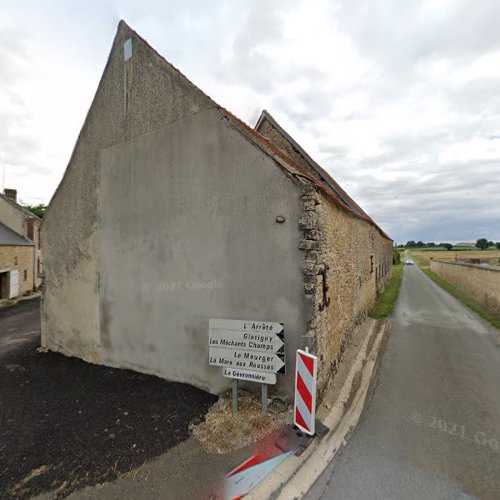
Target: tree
x: 482, y: 243
x: 396, y: 256
x: 420, y: 244
x: 497, y: 244
x: 448, y: 246
x: 38, y: 210
x: 411, y: 244
x: 431, y: 244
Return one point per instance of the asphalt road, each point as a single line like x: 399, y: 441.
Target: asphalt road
x: 19, y: 325
x: 431, y: 427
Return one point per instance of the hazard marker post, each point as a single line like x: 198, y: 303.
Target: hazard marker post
x: 306, y: 372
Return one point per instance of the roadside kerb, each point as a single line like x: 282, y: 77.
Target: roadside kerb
x: 296, y: 475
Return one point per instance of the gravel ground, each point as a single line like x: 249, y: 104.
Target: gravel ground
x: 66, y: 424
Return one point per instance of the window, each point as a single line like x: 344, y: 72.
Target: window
x: 25, y: 275
x: 15, y: 260
x: 38, y: 266
x: 371, y: 263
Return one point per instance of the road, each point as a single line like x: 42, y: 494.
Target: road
x: 19, y: 324
x: 431, y: 427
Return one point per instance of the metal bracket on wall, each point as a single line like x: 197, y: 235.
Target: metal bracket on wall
x: 326, y: 299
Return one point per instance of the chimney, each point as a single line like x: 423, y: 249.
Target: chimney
x: 11, y: 194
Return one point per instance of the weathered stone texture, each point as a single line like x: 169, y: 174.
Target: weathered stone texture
x: 478, y: 282
x: 346, y: 247
x: 267, y: 130
x: 24, y: 256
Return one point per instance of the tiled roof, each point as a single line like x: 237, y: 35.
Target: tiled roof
x: 11, y: 238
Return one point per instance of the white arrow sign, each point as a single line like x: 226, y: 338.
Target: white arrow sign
x: 260, y: 377
x: 250, y: 341
x: 245, y: 360
x: 245, y: 325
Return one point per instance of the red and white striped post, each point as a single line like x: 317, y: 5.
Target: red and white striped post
x: 304, y: 411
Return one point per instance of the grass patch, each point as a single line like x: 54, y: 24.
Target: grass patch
x: 491, y: 318
x: 387, y: 300
x: 421, y: 260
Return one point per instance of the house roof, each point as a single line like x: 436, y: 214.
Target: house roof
x: 328, y: 186
x: 8, y: 237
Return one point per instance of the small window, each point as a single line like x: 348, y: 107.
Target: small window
x: 15, y: 261
x: 25, y: 275
x: 39, y: 266
x: 371, y: 263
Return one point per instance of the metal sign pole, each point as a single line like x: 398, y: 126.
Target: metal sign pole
x: 249, y: 350
x: 264, y: 399
x: 235, y: 396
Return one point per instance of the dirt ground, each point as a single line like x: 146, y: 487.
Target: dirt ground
x: 65, y: 424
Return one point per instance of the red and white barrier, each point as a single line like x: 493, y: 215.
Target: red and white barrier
x: 304, y: 411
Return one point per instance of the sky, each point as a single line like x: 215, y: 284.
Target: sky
x: 398, y: 100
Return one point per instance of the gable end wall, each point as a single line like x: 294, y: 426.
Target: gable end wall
x: 133, y: 98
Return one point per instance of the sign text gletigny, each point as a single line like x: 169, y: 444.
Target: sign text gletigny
x: 247, y: 350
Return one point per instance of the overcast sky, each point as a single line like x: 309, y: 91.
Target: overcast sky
x: 398, y: 100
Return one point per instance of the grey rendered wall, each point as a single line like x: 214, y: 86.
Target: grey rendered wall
x: 188, y: 233
x: 133, y: 98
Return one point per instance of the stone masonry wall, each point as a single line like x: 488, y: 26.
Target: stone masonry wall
x: 356, y: 261
x: 24, y: 255
x: 478, y: 282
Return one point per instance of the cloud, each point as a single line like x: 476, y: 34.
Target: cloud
x: 398, y: 100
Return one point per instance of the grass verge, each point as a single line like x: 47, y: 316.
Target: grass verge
x: 488, y: 316
x: 387, y: 300
x: 421, y: 260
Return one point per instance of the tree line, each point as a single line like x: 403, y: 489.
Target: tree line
x: 481, y: 243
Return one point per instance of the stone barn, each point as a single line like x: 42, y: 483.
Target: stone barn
x: 172, y: 211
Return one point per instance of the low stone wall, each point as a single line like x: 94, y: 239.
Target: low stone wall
x: 481, y: 283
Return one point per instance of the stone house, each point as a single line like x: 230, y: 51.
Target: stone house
x: 20, y: 253
x: 172, y: 211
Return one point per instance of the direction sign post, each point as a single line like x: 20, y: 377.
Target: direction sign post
x: 247, y: 350
x: 264, y: 399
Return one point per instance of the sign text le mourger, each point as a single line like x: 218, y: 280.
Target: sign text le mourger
x: 247, y: 350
